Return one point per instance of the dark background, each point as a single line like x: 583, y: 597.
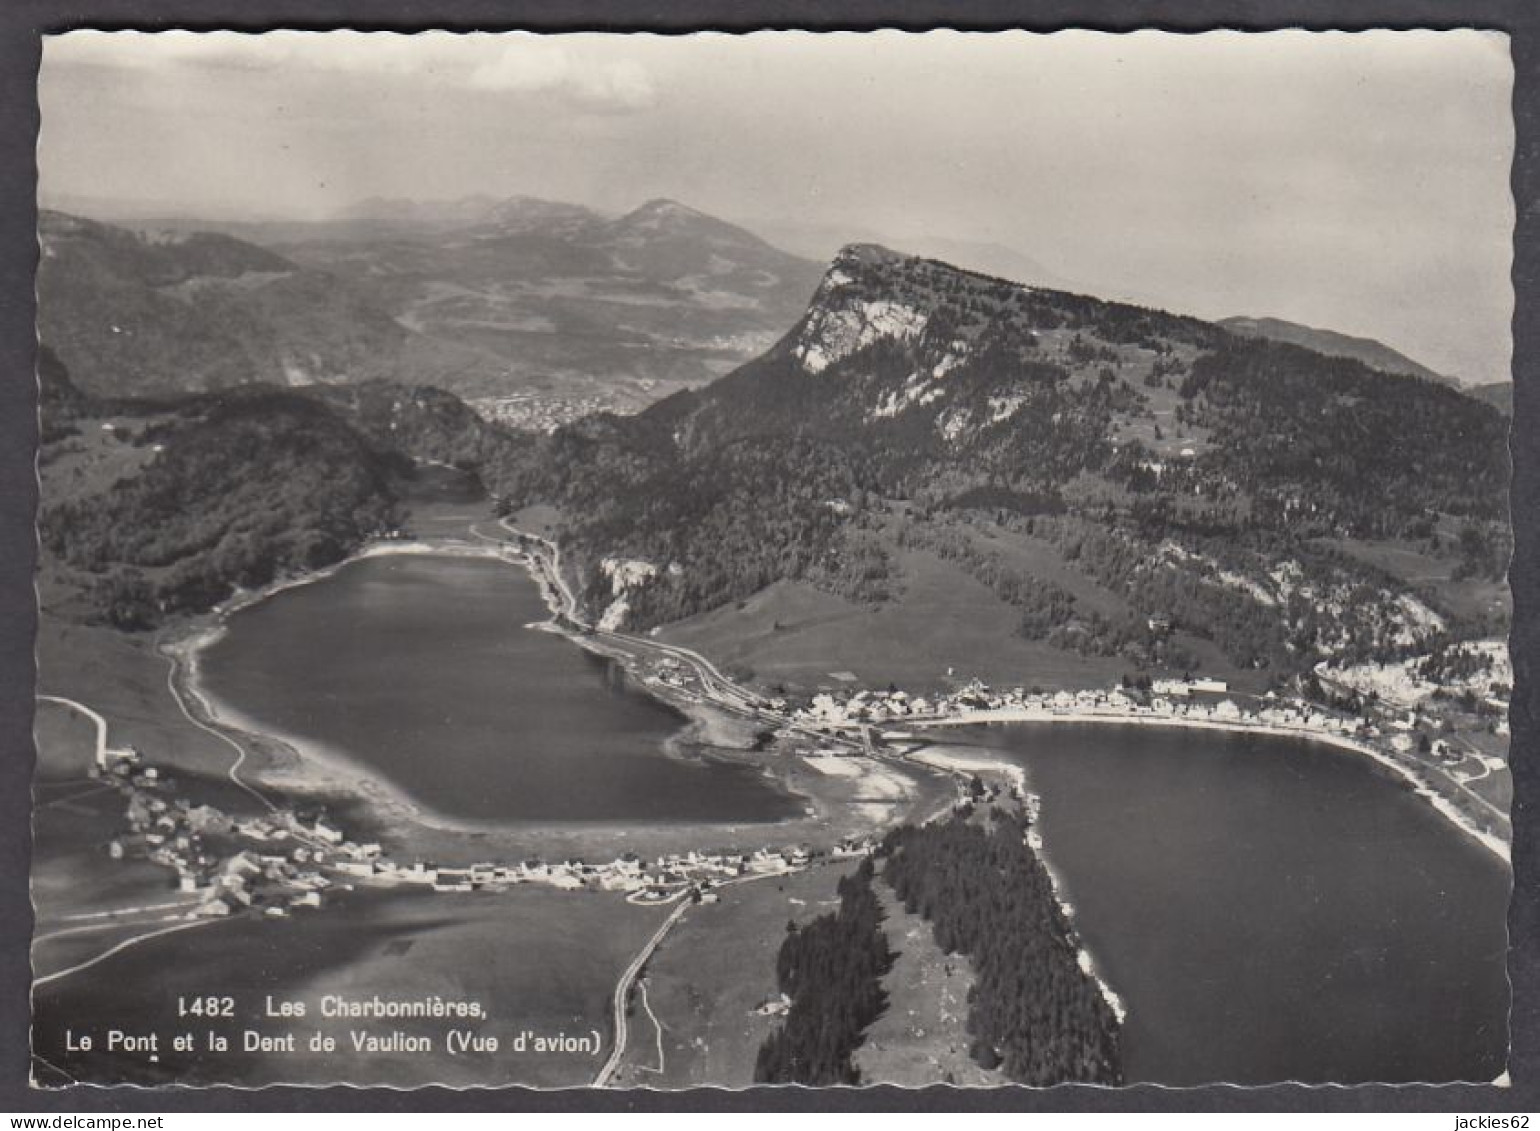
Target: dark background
x: 22, y: 22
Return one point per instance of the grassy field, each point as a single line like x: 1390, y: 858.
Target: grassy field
x: 121, y: 676
x: 944, y: 628
x: 718, y: 966
x: 536, y: 960
x: 1496, y: 787
x: 1037, y: 558
x: 920, y: 1039
x: 72, y: 874
x: 66, y: 744
x: 1411, y: 564
x: 711, y: 973
x: 74, y: 819
x: 97, y: 457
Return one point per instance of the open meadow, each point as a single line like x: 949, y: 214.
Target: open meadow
x: 710, y: 977
x: 536, y: 960
x: 942, y: 627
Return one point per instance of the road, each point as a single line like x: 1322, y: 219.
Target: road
x: 623, y: 987
x: 641, y: 989
x: 102, y: 748
x: 185, y: 925
x: 234, y: 770
x: 710, y: 675
x: 623, y: 990
x: 100, y: 723
x: 717, y: 686
x: 110, y: 919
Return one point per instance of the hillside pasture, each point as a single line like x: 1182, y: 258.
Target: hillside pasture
x: 942, y: 628
x: 1473, y: 597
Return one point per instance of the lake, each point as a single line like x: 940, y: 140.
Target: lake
x: 420, y: 668
x: 1271, y: 909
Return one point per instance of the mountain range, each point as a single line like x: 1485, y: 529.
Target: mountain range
x: 561, y: 297
x: 1094, y: 483
x: 131, y: 314
x: 539, y: 310
x: 493, y: 298
x: 1146, y: 466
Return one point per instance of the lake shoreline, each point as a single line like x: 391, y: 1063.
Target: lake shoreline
x: 960, y: 762
x: 183, y: 646
x: 305, y: 768
x: 1440, y: 804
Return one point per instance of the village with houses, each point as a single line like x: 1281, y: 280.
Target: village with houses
x: 1194, y: 700
x: 1439, y: 745
x: 286, y: 861
x: 1442, y: 739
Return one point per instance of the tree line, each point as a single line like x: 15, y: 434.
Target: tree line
x: 1033, y: 1013
x: 832, y: 971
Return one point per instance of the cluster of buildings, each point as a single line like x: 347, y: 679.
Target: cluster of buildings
x: 675, y: 675
x: 1198, y: 700
x: 871, y: 715
x: 272, y: 863
x: 660, y: 879
x: 861, y: 708
x: 537, y: 412
x: 269, y: 882
x: 279, y: 862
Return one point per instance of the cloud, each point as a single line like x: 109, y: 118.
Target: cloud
x: 537, y: 64
x: 589, y: 72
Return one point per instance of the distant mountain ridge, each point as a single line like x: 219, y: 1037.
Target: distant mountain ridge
x: 514, y: 213
x: 1375, y: 354
x: 1498, y: 394
x: 491, y: 298
x: 132, y: 314
x: 567, y: 298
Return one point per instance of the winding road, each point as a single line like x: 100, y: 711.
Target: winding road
x: 233, y: 772
x: 96, y: 718
x: 102, y: 749
x: 623, y: 991
x: 714, y: 683
x: 657, y: 1026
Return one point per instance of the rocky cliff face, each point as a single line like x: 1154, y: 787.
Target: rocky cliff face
x: 949, y: 357
x: 849, y: 311
x: 910, y: 389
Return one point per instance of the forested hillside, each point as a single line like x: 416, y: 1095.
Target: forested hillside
x: 131, y: 314
x: 1033, y: 1012
x: 831, y: 970
x: 1374, y: 354
x: 158, y: 507
x: 1195, y: 473
x: 235, y: 493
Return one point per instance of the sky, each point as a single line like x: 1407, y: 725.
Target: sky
x: 1357, y: 182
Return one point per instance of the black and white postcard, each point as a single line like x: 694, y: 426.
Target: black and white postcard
x: 630, y: 561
